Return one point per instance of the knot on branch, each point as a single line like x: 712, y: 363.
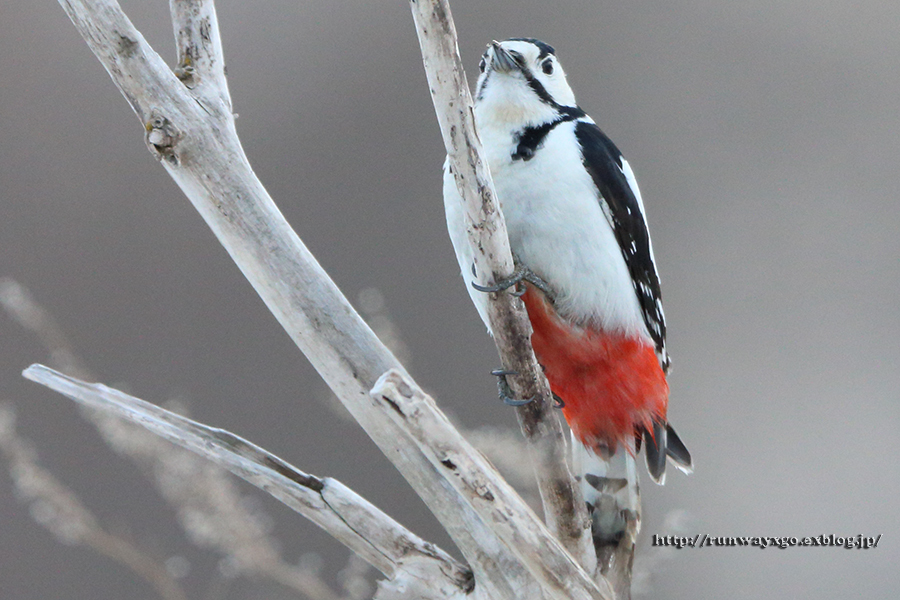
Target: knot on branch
x: 185, y: 73
x: 126, y: 46
x: 162, y: 137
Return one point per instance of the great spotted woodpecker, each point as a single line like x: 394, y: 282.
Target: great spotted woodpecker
x: 579, y: 236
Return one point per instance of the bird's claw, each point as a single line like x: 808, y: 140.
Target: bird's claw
x: 521, y: 274
x: 504, y: 391
x: 513, y: 402
x: 503, y: 372
x: 499, y: 287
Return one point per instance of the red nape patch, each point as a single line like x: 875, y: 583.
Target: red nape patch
x: 610, y: 383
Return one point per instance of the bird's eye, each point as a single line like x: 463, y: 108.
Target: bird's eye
x: 481, y: 65
x: 547, y: 66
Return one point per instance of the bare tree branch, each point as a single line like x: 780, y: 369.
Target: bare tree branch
x: 564, y: 508
x: 352, y: 520
x: 202, y: 153
x: 484, y: 488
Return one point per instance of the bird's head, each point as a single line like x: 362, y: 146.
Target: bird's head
x: 522, y: 83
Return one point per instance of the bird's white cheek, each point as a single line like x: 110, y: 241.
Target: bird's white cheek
x: 510, y: 105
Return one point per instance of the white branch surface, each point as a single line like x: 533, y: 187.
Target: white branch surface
x: 476, y: 480
x: 564, y: 507
x: 352, y: 520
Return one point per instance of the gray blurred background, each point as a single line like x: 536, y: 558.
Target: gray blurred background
x: 764, y: 137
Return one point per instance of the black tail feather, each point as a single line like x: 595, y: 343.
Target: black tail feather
x: 661, y: 443
x: 655, y: 451
x: 678, y: 452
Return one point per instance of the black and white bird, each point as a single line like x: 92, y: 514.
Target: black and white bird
x: 577, y: 229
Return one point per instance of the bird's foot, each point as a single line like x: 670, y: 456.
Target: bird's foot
x: 521, y: 274
x: 504, y: 391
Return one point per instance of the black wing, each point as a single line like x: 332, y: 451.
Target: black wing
x: 604, y: 162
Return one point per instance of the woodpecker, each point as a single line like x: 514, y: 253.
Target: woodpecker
x: 579, y: 237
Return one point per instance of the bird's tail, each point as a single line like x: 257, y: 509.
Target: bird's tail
x: 612, y: 492
x: 663, y: 443
x: 610, y: 484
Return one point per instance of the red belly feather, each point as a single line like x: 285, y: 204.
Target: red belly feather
x: 611, y: 384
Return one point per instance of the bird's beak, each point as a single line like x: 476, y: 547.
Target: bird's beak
x: 502, y: 61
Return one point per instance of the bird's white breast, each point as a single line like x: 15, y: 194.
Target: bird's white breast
x: 557, y: 228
